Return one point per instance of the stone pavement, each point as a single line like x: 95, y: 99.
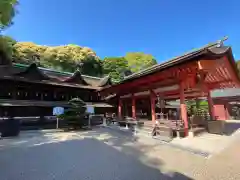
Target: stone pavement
x: 205, y: 143
x: 211, y: 143
x: 109, y: 155
x: 223, y: 166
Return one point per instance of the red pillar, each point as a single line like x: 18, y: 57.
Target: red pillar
x: 210, y: 106
x: 120, y: 108
x: 152, y: 99
x: 183, y: 108
x: 133, y: 107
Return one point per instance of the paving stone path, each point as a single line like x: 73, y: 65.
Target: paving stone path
x: 108, y: 155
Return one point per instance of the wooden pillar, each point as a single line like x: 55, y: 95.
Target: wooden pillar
x: 152, y: 99
x: 210, y: 106
x: 183, y: 108
x: 120, y: 108
x: 133, y: 107
x: 125, y: 106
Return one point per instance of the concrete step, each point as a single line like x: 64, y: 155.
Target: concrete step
x: 148, y: 132
x: 144, y: 133
x: 196, y: 131
x: 145, y: 128
x: 163, y: 138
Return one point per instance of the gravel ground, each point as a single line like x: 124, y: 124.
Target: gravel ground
x: 108, y: 155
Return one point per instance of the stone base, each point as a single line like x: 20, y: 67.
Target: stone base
x: 190, y: 134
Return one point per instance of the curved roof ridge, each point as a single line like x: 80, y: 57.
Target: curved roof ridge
x: 33, y: 67
x: 76, y: 78
x: 175, y: 59
x: 105, y: 81
x: 55, y: 71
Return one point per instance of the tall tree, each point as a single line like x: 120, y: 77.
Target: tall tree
x: 92, y: 66
x: 138, y: 61
x: 6, y: 48
x: 115, y: 66
x: 63, y: 58
x: 7, y: 12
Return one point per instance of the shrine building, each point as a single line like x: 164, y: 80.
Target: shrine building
x: 190, y: 76
x: 29, y: 92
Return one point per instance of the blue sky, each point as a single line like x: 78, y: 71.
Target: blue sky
x: 163, y: 28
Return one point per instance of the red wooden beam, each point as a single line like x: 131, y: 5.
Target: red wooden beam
x: 179, y: 72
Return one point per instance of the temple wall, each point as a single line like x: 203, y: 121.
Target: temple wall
x: 222, y: 109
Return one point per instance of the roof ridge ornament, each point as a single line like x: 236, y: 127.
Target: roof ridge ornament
x: 220, y: 42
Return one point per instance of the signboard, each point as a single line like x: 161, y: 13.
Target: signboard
x: 90, y: 109
x: 58, y: 111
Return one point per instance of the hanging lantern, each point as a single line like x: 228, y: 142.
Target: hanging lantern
x: 18, y: 93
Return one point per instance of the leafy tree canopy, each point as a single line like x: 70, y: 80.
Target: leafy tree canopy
x: 7, y: 12
x: 63, y: 58
x: 6, y: 47
x: 138, y: 61
x: 70, y: 57
x: 115, y: 67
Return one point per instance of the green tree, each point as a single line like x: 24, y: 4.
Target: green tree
x: 63, y: 58
x: 27, y: 52
x: 7, y: 12
x: 6, y: 47
x: 92, y: 66
x: 74, y: 116
x: 115, y: 67
x: 138, y: 61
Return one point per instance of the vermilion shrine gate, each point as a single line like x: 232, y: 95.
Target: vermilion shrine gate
x: 189, y: 76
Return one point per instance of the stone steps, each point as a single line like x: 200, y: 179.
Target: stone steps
x: 196, y: 131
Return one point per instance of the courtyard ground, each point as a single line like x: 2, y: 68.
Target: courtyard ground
x: 109, y: 155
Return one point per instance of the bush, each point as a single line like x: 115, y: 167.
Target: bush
x: 75, y: 117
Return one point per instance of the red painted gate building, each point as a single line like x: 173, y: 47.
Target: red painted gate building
x: 189, y: 76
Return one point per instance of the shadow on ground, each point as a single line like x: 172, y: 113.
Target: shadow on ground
x: 231, y: 127
x: 97, y: 154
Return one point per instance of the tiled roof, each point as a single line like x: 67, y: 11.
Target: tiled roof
x: 216, y: 47
x: 24, y: 72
